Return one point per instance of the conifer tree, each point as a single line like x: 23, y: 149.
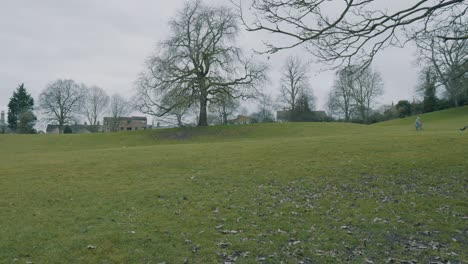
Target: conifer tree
x: 20, y: 103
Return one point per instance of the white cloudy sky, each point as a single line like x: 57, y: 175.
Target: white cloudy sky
x: 106, y: 42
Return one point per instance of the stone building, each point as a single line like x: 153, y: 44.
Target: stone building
x: 125, y: 123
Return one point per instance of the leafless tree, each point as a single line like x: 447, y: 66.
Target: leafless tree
x: 355, y: 92
x: 198, y: 61
x: 95, y: 104
x: 340, y: 99
x: 294, y: 82
x: 351, y: 31
x: 368, y: 87
x: 223, y: 106
x: 266, y: 107
x: 449, y: 59
x: 61, y: 102
x: 119, y: 107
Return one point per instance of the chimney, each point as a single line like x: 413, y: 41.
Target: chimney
x: 2, y: 119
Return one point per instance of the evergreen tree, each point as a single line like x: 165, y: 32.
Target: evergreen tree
x: 429, y: 90
x: 404, y: 108
x: 20, y: 103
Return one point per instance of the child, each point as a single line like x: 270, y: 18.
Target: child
x: 418, y: 124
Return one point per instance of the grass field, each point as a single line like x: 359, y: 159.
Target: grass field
x: 267, y: 193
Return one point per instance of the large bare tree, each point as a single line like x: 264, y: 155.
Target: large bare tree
x: 294, y: 83
x: 351, y: 31
x: 61, y: 102
x: 448, y: 59
x: 198, y: 62
x: 95, y: 104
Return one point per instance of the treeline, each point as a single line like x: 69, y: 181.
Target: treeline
x: 64, y: 102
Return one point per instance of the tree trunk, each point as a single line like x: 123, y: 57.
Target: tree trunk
x: 225, y: 119
x: 347, y: 113
x: 179, y: 121
x: 363, y: 115
x: 203, y: 119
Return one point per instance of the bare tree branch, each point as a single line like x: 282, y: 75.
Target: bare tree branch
x: 349, y: 32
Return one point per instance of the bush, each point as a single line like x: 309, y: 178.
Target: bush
x: 67, y: 130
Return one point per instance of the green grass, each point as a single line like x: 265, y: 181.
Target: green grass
x: 311, y: 192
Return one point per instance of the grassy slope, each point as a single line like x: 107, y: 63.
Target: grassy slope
x: 346, y: 192
x: 451, y: 119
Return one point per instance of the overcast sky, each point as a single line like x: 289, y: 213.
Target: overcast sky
x: 106, y: 42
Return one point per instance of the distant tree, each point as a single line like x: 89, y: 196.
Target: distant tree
x: 223, y: 106
x: 20, y: 103
x: 355, y: 92
x: 294, y: 82
x: 368, y: 87
x: 199, y: 61
x: 62, y: 102
x: 428, y: 89
x: 266, y: 107
x: 119, y: 107
x: 26, y: 121
x: 95, y: 104
x: 404, y: 108
x: 340, y: 99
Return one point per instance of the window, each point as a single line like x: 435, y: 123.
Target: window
x: 129, y: 128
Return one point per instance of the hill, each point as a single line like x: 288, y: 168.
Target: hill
x: 450, y: 119
x: 302, y: 192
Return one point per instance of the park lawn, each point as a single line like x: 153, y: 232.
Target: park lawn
x: 266, y: 193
